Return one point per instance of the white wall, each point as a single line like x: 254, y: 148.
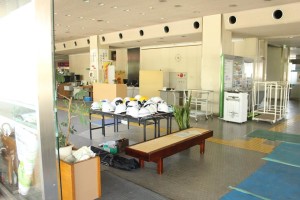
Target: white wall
x: 274, y: 69
x: 174, y: 59
x: 79, y: 64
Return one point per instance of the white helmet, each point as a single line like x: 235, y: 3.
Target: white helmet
x: 162, y: 107
x: 144, y: 112
x: 107, y: 107
x: 120, y: 108
x: 156, y: 99
x: 148, y: 102
x: 132, y: 111
x: 117, y: 101
x: 137, y: 97
x: 151, y: 107
x: 133, y: 104
x: 96, y: 106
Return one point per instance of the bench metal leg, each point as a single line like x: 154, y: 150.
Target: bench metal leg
x: 90, y: 118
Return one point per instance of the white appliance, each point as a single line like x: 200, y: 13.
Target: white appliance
x: 235, y: 106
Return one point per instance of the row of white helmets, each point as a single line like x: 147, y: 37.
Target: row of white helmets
x: 138, y: 106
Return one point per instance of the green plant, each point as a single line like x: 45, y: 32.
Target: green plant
x: 73, y: 110
x: 182, y: 114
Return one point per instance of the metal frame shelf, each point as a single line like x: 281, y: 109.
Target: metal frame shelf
x: 269, y: 101
x: 201, y: 103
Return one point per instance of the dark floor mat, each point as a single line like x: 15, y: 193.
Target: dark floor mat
x: 114, y: 187
x: 272, y: 135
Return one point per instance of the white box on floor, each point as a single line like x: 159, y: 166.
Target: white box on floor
x: 235, y: 106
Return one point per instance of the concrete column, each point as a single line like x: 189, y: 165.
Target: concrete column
x: 215, y: 42
x: 98, y: 54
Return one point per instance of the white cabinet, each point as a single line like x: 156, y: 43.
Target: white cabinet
x: 235, y: 107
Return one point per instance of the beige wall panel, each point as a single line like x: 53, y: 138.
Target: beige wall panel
x: 82, y: 46
x: 263, y: 16
x: 108, y: 91
x: 274, y: 69
x: 246, y: 48
x: 155, y: 31
x: 151, y: 82
x: 175, y: 59
x: 79, y: 64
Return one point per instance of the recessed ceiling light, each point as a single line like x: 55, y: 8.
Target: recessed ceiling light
x: 55, y: 13
x: 162, y: 18
x: 86, y: 1
x: 126, y: 10
x: 68, y: 26
x: 68, y: 15
x: 151, y: 8
x: 127, y: 25
x: 57, y: 24
x: 93, y: 19
x: 82, y: 27
x: 81, y: 17
x: 101, y: 4
x: 115, y: 7
x: 291, y: 37
x: 107, y: 22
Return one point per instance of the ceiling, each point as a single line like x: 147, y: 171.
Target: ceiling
x: 74, y: 19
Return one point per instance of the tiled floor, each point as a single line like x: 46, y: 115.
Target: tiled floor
x: 230, y: 156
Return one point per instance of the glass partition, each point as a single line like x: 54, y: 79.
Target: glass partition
x: 27, y: 134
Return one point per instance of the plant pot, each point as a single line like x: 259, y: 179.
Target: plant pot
x: 64, y: 152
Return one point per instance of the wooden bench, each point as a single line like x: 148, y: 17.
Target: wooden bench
x: 157, y: 149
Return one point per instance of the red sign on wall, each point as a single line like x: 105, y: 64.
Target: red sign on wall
x: 63, y: 64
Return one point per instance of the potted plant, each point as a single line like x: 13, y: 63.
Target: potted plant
x: 73, y: 110
x: 182, y: 114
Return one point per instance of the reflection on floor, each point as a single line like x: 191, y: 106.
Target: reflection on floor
x: 229, y: 158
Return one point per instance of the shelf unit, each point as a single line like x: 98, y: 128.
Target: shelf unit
x: 201, y: 103
x: 269, y: 101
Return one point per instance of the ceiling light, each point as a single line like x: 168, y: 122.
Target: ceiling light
x: 68, y: 15
x: 114, y: 7
x: 126, y: 10
x: 101, y: 4
x: 93, y: 19
x: 151, y: 8
x: 81, y: 17
x: 82, y: 28
x: 107, y: 22
x: 178, y: 6
x: 55, y: 13
x: 86, y: 1
x: 162, y: 18
x: 127, y: 25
